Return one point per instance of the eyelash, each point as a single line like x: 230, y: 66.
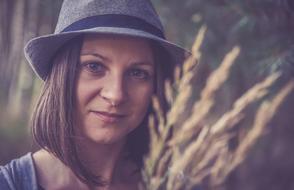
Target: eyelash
x: 99, y: 68
x: 139, y: 74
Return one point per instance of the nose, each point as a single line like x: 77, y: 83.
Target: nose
x: 114, y: 91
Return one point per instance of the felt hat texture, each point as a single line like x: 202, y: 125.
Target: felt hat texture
x: 136, y: 18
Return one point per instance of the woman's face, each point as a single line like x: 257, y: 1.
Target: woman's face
x: 114, y: 86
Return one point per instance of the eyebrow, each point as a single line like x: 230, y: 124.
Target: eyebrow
x: 95, y: 54
x: 105, y: 58
x: 143, y: 63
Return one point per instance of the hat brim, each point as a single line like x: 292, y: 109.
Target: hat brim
x: 39, y: 51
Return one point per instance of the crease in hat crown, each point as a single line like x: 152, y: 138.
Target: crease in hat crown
x: 75, y: 10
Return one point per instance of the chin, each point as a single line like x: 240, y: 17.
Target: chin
x: 102, y: 133
x: 105, y: 137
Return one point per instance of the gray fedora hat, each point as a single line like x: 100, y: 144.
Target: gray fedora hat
x: 122, y: 17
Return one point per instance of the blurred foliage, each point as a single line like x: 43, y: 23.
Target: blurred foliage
x: 13, y: 139
x: 20, y: 20
x: 264, y: 31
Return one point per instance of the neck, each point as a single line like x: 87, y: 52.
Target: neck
x: 104, y: 160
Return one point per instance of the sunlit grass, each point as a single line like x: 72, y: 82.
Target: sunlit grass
x: 183, y: 155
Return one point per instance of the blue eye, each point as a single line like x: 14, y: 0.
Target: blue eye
x: 139, y: 74
x: 94, y: 67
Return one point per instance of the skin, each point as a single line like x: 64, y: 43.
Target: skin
x: 116, y: 77
x: 113, y: 92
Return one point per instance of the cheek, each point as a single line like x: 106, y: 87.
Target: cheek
x: 80, y: 101
x: 85, y: 91
x: 141, y: 98
x: 81, y: 98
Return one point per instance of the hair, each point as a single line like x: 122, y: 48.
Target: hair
x: 53, y: 117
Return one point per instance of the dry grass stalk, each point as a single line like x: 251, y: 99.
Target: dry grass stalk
x: 196, y: 53
x: 159, y: 141
x: 203, y: 106
x: 182, y: 84
x: 180, y: 162
x: 255, y: 93
x: 264, y: 114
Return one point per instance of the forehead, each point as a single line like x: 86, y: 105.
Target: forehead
x: 116, y: 43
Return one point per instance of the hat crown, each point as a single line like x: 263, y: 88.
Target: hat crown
x: 75, y: 10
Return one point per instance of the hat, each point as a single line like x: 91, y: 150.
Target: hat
x: 136, y: 18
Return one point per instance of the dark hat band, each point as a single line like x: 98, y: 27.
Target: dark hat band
x: 114, y: 20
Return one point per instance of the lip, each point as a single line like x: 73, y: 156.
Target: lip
x: 108, y: 117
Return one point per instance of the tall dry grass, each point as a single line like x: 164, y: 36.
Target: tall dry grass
x: 186, y: 155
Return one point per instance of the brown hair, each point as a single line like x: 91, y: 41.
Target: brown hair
x: 52, y: 120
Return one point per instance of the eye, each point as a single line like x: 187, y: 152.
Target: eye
x: 94, y: 67
x: 139, y: 74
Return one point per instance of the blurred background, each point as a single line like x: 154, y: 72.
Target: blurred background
x: 20, y: 20
x: 262, y: 28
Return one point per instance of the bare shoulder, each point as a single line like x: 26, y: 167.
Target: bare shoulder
x: 42, y: 159
x: 53, y: 174
x: 44, y: 164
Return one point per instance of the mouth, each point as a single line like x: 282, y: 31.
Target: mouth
x: 108, y: 117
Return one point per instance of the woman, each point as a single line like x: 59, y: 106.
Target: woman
x: 100, y: 69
